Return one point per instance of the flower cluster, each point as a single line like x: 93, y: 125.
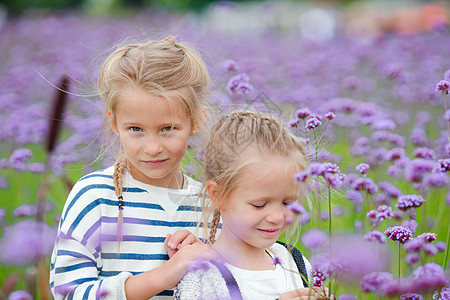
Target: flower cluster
x: 398, y: 234
x: 406, y: 202
x: 382, y: 213
x: 239, y: 84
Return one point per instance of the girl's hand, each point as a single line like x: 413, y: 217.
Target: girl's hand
x: 307, y: 294
x: 178, y: 265
x: 178, y: 240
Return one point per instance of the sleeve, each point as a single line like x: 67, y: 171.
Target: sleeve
x: 202, y: 284
x: 76, y: 258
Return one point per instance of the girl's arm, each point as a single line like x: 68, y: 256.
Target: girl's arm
x: 167, y: 276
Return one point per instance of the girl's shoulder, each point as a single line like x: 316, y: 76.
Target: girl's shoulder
x: 103, y: 175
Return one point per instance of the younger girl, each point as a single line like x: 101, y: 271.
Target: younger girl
x: 117, y: 222
x: 250, y: 162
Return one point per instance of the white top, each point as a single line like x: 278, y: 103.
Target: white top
x: 260, y: 285
x: 267, y: 284
x: 86, y: 259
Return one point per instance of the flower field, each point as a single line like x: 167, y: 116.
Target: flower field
x: 374, y: 113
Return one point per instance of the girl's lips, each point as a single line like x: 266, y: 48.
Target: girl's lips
x: 270, y: 232
x: 155, y: 163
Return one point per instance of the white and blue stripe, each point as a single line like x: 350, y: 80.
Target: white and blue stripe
x: 86, y: 260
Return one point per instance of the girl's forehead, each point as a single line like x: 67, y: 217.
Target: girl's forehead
x: 139, y: 102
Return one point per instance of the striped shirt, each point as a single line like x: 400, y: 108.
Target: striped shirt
x: 86, y: 261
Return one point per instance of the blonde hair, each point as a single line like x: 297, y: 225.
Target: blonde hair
x: 223, y: 162
x: 164, y: 68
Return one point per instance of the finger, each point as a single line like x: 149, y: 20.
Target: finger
x: 189, y: 240
x: 178, y: 237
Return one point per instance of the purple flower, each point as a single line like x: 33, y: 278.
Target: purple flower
x: 383, y: 124
x: 443, y: 86
x: 293, y: 123
x: 417, y: 168
x: 427, y: 237
x: 395, y: 153
x: 429, y: 277
x: 375, y: 235
x: 331, y: 168
x: 398, y: 234
x: 389, y: 189
x: 413, y: 245
x: 411, y: 296
x: 312, y: 123
x: 447, y: 115
x: 314, y: 239
x: 25, y: 210
x: 444, y: 294
x: 374, y: 282
x: 442, y: 165
x: 296, y: 207
x: 199, y: 264
x: 382, y: 213
x: 2, y: 215
x: 20, y: 156
x: 230, y: 65
x: 317, y: 169
x: 418, y: 137
x: 406, y: 202
x: 436, y: 180
x: 26, y: 241
x: 20, y: 295
x: 440, y: 245
x: 425, y: 153
x: 354, y: 196
x: 276, y: 261
x: 362, y: 168
x: 430, y: 249
x: 330, y: 115
x: 411, y: 224
x: 366, y: 184
x: 239, y: 84
x: 303, y: 113
x: 334, y: 180
x: 319, y: 278
x: 301, y: 176
x: 412, y: 258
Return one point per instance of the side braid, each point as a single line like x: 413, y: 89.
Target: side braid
x: 214, y: 225
x: 119, y: 169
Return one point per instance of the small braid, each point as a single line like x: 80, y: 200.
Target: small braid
x: 214, y: 225
x: 119, y: 169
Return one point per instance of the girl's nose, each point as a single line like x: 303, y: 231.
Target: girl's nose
x: 153, y: 145
x: 277, y: 215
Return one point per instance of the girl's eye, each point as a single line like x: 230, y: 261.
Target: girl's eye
x: 259, y: 205
x: 135, y: 128
x: 168, y: 128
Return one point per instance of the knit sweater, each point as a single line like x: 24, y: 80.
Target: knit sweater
x: 87, y: 262
x: 208, y: 283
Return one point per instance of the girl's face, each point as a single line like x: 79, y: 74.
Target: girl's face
x: 154, y: 134
x: 254, y: 213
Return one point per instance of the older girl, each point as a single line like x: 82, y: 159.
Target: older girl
x: 117, y: 222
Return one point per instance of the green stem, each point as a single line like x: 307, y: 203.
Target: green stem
x: 447, y: 247
x: 399, y: 261
x: 329, y: 215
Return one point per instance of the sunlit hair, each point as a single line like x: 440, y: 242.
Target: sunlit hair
x: 229, y: 138
x: 162, y: 68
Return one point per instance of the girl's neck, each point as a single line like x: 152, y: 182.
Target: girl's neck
x: 242, y: 255
x: 174, y: 180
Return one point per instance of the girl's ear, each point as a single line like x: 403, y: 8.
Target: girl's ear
x: 212, y: 189
x: 112, y: 123
x: 196, y: 126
